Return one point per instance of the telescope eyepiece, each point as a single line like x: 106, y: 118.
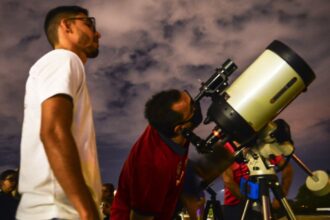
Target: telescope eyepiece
x: 228, y: 67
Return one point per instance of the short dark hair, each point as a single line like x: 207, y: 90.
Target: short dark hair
x: 7, y: 173
x: 158, y: 111
x: 54, y: 17
x: 282, y: 132
x: 109, y: 187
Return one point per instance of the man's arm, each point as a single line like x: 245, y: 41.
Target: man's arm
x: 287, y: 176
x: 63, y: 156
x: 229, y: 182
x: 136, y: 216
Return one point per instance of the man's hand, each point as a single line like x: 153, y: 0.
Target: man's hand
x: 192, y: 205
x: 276, y: 204
x: 228, y: 180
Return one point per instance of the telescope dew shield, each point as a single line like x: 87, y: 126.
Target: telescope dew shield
x: 261, y: 92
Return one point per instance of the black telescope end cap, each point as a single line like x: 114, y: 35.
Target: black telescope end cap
x: 294, y: 60
x: 226, y: 117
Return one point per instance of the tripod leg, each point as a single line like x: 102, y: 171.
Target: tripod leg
x: 206, y: 211
x: 217, y: 212
x: 246, y: 206
x: 287, y: 208
x: 264, y: 192
x: 278, y: 193
x: 265, y: 207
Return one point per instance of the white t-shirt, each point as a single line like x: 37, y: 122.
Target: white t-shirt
x: 58, y: 72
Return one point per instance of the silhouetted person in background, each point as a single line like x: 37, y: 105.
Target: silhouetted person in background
x: 8, y: 194
x: 108, y: 193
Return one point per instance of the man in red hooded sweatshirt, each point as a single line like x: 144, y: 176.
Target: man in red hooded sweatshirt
x: 151, y: 178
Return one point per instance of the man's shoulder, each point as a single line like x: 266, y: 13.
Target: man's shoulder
x: 150, y: 145
x: 151, y: 142
x: 55, y: 59
x: 58, y: 56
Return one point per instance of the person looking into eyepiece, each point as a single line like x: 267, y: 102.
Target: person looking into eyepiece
x: 151, y: 178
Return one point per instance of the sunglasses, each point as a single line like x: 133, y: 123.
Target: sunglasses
x: 89, y: 21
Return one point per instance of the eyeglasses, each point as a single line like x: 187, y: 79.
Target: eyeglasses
x: 89, y: 21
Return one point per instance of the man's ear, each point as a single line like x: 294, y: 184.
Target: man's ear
x: 66, y: 25
x: 178, y: 129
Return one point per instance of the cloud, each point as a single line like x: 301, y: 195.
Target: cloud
x: 148, y: 46
x: 9, y: 155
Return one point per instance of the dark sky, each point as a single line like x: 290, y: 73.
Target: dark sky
x: 148, y: 46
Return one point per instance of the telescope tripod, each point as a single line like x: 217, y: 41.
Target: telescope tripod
x: 267, y: 182
x: 214, y: 205
x: 262, y: 178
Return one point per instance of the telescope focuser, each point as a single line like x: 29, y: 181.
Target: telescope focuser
x: 218, y: 81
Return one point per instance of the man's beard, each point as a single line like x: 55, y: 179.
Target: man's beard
x: 92, y: 52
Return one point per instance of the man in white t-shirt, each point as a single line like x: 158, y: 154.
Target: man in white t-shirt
x: 59, y: 171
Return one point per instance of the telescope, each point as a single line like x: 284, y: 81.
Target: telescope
x: 243, y: 114
x: 241, y: 110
